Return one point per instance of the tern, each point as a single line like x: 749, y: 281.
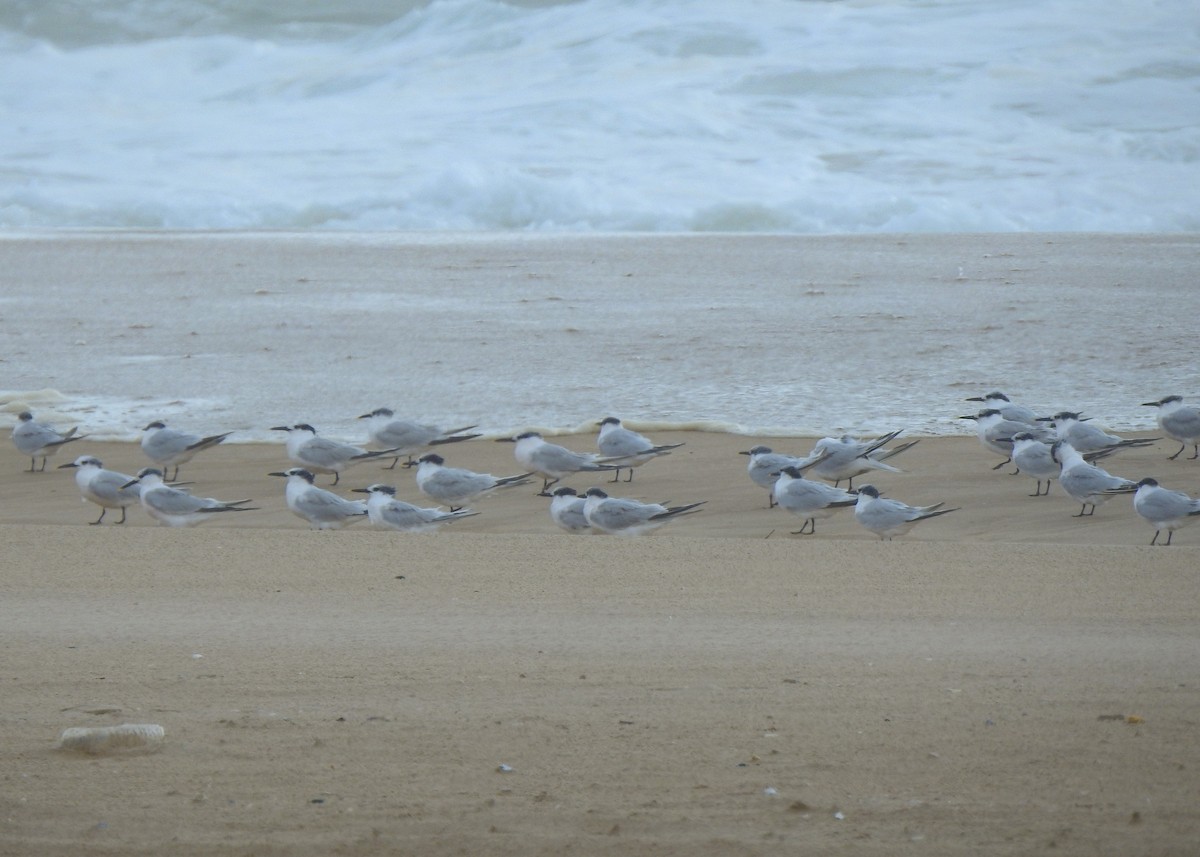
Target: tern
x: 1164, y: 509
x: 996, y: 433
x: 1010, y: 411
x: 809, y: 500
x: 765, y: 466
x: 323, y: 509
x: 322, y: 455
x: 173, y: 507
x: 384, y: 510
x: 1088, y: 438
x: 404, y: 437
x: 455, y: 486
x: 1181, y: 422
x: 40, y: 440
x: 566, y: 510
x: 551, y: 461
x: 108, y: 489
x: 167, y: 447
x: 625, y: 448
x: 836, y: 458
x: 622, y: 516
x: 1086, y: 483
x: 890, y: 518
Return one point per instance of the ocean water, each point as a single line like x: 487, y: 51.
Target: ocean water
x: 780, y: 116
x: 756, y: 335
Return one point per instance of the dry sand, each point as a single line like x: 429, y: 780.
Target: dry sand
x: 1006, y: 679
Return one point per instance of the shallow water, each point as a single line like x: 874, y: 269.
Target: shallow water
x: 756, y: 335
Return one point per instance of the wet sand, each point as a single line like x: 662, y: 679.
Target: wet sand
x: 1006, y: 679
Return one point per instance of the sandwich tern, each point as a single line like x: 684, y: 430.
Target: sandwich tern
x: 323, y: 509
x: 404, y: 437
x: 1086, y: 483
x: 566, y: 510
x: 996, y: 433
x: 167, y: 447
x: 1181, y: 422
x: 624, y: 447
x: 1088, y: 438
x: 626, y: 517
x: 320, y: 454
x: 173, y: 507
x: 765, y: 466
x: 890, y: 518
x: 40, y: 440
x: 1164, y: 509
x: 809, y: 500
x: 551, y: 461
x: 836, y: 458
x: 108, y: 489
x: 999, y: 402
x: 455, y: 486
x: 384, y: 510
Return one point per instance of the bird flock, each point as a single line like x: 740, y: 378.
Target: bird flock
x: 1064, y: 446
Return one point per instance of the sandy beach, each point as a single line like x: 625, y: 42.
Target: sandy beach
x: 1006, y: 679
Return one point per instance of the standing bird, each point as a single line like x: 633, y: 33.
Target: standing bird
x: 625, y: 517
x: 996, y: 433
x: 551, y: 461
x: 1164, y: 509
x: 384, y: 510
x: 891, y: 518
x: 172, y: 507
x: 322, y: 455
x: 624, y: 447
x: 999, y: 402
x: 1032, y: 457
x: 108, y: 489
x: 836, y: 458
x: 404, y: 437
x: 566, y: 510
x: 40, y: 440
x: 1086, y: 483
x: 167, y: 447
x: 765, y: 466
x: 323, y: 509
x: 455, y: 486
x: 1087, y: 438
x: 1181, y: 422
x: 808, y: 499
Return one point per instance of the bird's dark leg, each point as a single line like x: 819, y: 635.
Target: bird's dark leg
x: 1196, y: 454
x: 101, y: 518
x: 630, y: 479
x: 1169, y: 534
x: 392, y: 466
x: 616, y: 476
x: 849, y: 487
x: 1002, y: 463
x: 336, y: 477
x: 805, y: 529
x: 546, y: 483
x: 1083, y: 510
x: 122, y: 516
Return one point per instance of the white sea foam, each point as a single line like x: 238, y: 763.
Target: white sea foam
x: 602, y: 115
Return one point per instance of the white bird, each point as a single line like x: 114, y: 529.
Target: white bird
x: 626, y: 517
x: 404, y: 437
x: 322, y: 455
x: 999, y: 402
x: 996, y: 433
x: 809, y: 500
x: 890, y: 518
x: 1089, y: 438
x: 323, y: 509
x: 173, y: 507
x: 456, y: 486
x: 108, y: 489
x: 1086, y: 483
x: 1181, y: 422
x: 836, y: 458
x: 40, y: 440
x: 765, y: 466
x: 624, y: 447
x: 566, y: 510
x: 551, y: 461
x: 167, y: 447
x: 1164, y: 509
x: 384, y: 510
